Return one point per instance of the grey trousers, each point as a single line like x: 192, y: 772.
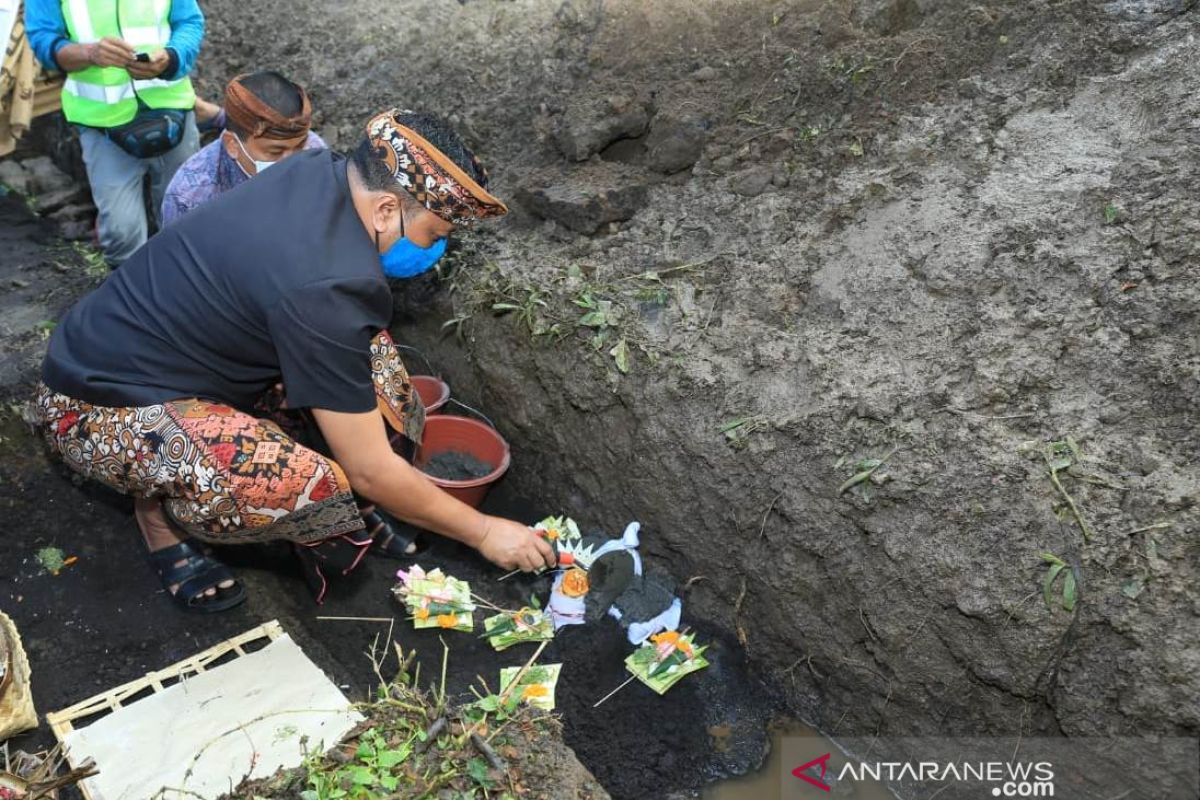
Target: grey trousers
x: 116, y: 179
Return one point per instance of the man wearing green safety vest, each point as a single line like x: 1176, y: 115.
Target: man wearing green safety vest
x: 127, y: 89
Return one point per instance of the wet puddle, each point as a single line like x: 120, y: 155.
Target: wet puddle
x: 793, y: 744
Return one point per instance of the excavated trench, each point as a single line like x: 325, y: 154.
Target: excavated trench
x: 811, y: 235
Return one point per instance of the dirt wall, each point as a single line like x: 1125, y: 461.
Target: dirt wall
x: 959, y: 231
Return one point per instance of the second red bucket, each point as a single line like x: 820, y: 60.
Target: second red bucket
x: 448, y: 434
x: 434, y: 392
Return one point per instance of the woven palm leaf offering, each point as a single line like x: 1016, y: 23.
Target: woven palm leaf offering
x: 536, y: 686
x: 435, y: 600
x: 529, y: 624
x: 563, y: 535
x: 661, y: 662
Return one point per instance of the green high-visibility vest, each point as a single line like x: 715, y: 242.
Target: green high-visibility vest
x: 104, y: 97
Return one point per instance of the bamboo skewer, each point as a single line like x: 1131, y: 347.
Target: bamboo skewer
x: 628, y: 680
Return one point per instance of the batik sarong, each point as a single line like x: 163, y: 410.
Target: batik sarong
x: 224, y: 476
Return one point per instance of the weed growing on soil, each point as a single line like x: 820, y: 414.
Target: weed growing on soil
x: 1060, y: 457
x: 1057, y: 567
x: 864, y: 471
x: 737, y: 431
x: 604, y: 317
x: 414, y: 744
x: 44, y: 328
x: 52, y: 559
x: 526, y: 310
x: 94, y: 265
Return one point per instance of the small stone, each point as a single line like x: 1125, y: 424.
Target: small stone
x: 751, y: 182
x: 589, y: 200
x: 780, y: 178
x: 704, y: 74
x: 723, y: 164
x: 675, y: 144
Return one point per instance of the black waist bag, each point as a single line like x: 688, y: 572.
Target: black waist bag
x: 151, y: 133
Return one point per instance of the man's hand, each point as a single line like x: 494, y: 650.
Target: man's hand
x: 112, y: 52
x: 360, y: 445
x: 512, y: 545
x: 145, y: 70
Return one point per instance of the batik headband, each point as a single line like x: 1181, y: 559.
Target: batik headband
x: 252, y: 115
x: 430, y: 175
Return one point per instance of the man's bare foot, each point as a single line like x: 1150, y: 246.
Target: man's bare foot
x: 159, y: 535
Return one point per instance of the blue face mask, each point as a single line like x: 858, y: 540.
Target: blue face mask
x: 405, y: 259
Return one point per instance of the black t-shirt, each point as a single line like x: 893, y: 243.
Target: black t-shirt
x: 275, y: 279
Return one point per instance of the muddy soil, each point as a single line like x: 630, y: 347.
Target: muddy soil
x: 962, y: 230
x: 456, y: 466
x: 105, y: 619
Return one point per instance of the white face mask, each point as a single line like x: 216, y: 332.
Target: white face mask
x: 259, y: 166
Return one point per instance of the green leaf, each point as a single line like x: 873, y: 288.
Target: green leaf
x: 535, y: 675
x: 1051, y: 574
x: 1068, y: 595
x: 534, y: 602
x: 1111, y: 213
x: 362, y: 776
x: 857, y: 479
x: 505, y: 307
x: 389, y: 782
x: 593, y: 319
x: 1051, y: 558
x: 733, y: 424
x: 1061, y: 455
x: 309, y: 794
x: 573, y: 271
x: 489, y: 703
x: 620, y: 354
x: 477, y: 768
x: 390, y: 758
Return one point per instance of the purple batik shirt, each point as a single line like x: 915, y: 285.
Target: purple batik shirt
x: 207, y: 174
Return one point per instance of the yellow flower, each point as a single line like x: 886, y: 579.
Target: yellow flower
x: 421, y: 613
x: 446, y: 620
x: 535, y: 690
x: 552, y: 533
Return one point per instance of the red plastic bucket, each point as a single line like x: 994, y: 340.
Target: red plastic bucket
x: 434, y: 392
x: 445, y: 433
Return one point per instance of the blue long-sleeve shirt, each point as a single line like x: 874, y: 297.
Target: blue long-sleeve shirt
x: 47, y: 32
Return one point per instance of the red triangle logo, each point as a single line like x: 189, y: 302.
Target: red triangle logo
x: 801, y: 772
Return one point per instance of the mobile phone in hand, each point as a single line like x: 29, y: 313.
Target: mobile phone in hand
x: 143, y: 57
